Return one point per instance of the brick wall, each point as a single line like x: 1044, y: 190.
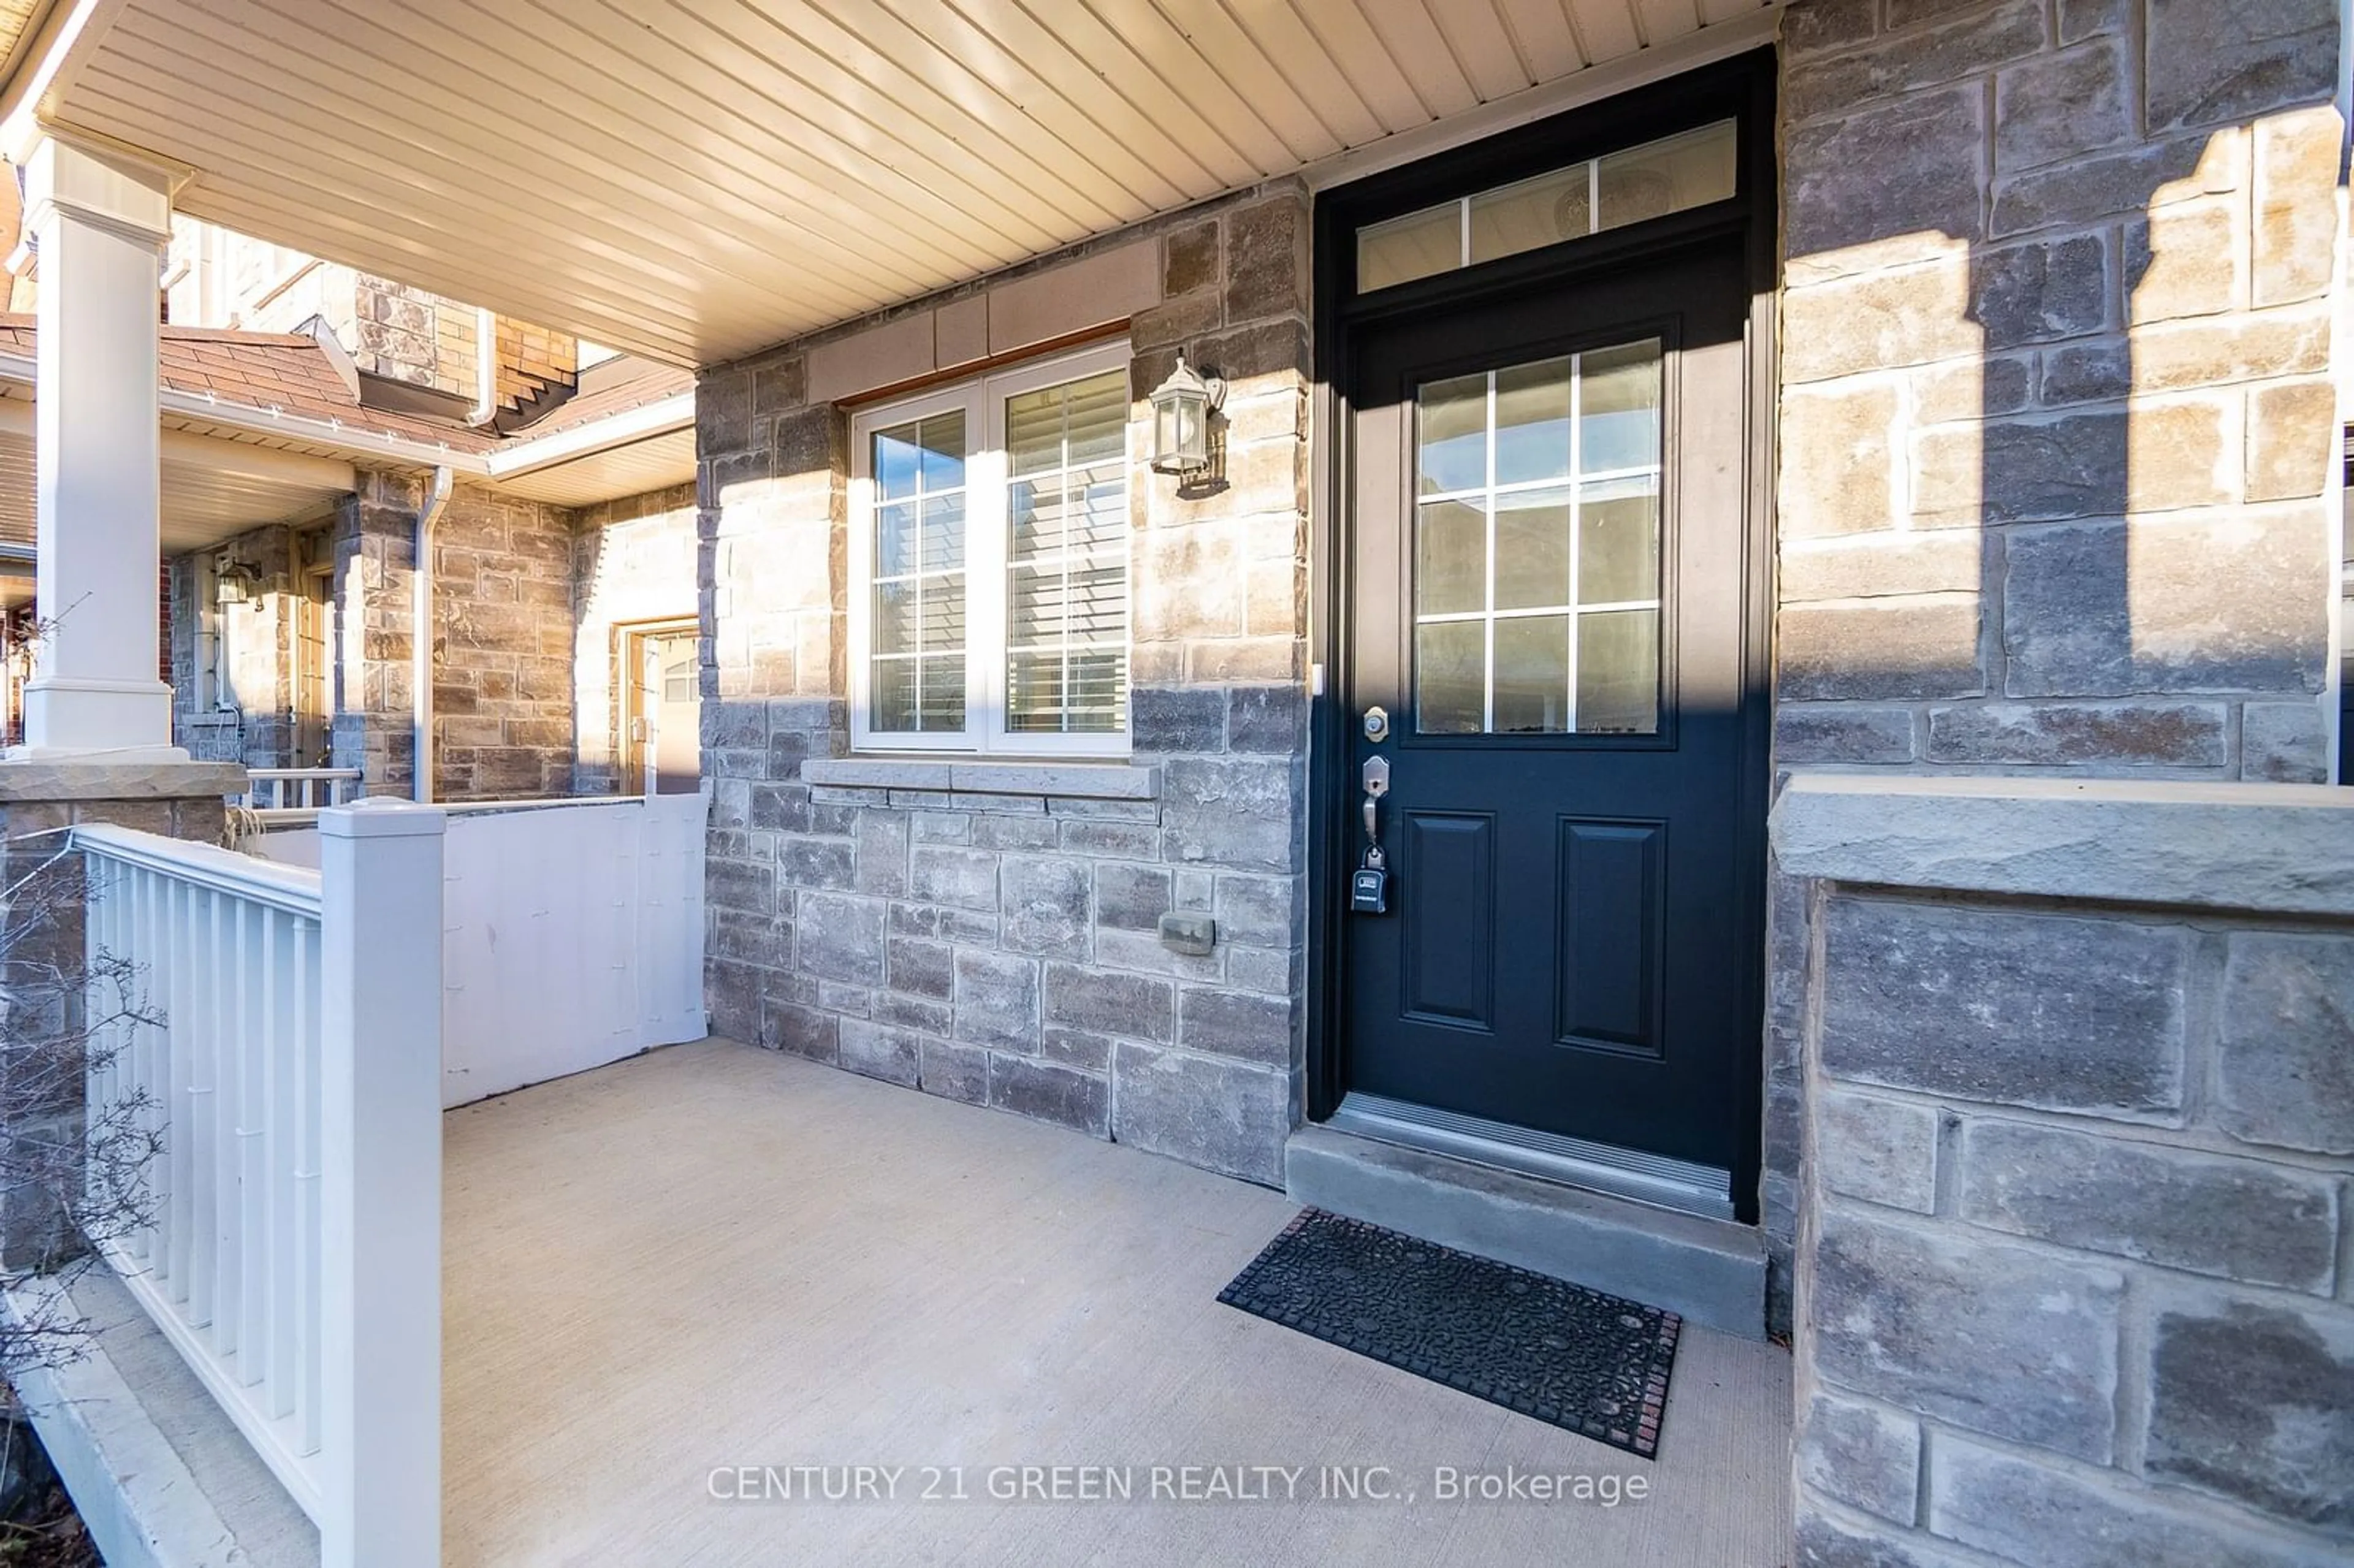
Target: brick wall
x: 2076, y: 1281
x: 2055, y: 407
x: 999, y: 945
x: 633, y: 560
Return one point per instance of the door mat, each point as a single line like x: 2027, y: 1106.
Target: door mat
x: 1589, y: 1363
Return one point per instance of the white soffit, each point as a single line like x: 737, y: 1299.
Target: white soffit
x: 655, y: 463
x: 697, y: 179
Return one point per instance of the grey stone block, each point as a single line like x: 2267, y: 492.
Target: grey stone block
x: 2255, y: 1403
x: 1050, y: 1092
x: 2042, y: 291
x: 920, y: 967
x: 1805, y: 733
x: 919, y: 1013
x: 2101, y: 735
x: 1132, y: 897
x: 1711, y: 1271
x: 2204, y: 606
x: 1228, y: 1116
x: 738, y: 885
x: 997, y: 999
x: 965, y: 878
x: 2029, y: 1512
x: 1129, y: 1005
x: 1266, y: 718
x: 1826, y: 1543
x: 1243, y: 813
x: 1181, y: 719
x: 1108, y: 840
x: 1861, y: 1455
x: 840, y: 937
x: 882, y: 840
x: 1075, y: 1048
x: 880, y: 1051
x: 2239, y: 1219
x: 784, y: 807
x: 804, y: 861
x: 2008, y: 1007
x: 1879, y: 1150
x: 1225, y: 1023
x: 2283, y: 743
x: 1263, y: 911
x: 996, y: 831
x: 1994, y: 1338
x: 1046, y: 904
x: 2011, y: 1008
x: 2211, y: 65
x: 2062, y: 105
x: 954, y: 1072
x: 1882, y: 172
x: 2284, y: 1047
x: 804, y: 1031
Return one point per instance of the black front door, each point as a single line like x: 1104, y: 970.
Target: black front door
x: 1545, y: 603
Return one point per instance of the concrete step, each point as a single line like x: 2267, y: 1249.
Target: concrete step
x: 1713, y: 1272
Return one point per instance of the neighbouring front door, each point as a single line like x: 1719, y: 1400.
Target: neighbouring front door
x: 1545, y: 649
x: 666, y: 751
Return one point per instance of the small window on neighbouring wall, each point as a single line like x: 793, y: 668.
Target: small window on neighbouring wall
x: 990, y: 544
x: 1672, y: 174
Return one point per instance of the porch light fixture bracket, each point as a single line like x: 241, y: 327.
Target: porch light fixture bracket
x: 1181, y: 407
x: 233, y: 583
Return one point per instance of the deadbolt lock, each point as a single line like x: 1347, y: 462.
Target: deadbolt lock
x: 1377, y: 725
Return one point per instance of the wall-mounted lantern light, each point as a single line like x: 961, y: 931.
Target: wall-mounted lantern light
x: 233, y: 583
x: 1181, y: 407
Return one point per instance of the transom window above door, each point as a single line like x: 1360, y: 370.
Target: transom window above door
x: 1671, y: 175
x: 990, y: 556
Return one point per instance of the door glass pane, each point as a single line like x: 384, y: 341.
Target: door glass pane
x: 1618, y: 672
x: 1067, y: 558
x: 1452, y: 417
x: 1536, y: 552
x: 916, y: 676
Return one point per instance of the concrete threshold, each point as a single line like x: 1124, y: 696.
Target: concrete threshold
x: 1713, y: 1272
x: 162, y: 1477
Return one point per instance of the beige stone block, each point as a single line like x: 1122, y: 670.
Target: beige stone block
x: 2296, y: 214
x: 1190, y: 582
x: 2187, y: 260
x: 2221, y: 350
x: 1943, y: 560
x: 1275, y: 597
x: 1095, y: 291
x: 878, y: 356
x: 1906, y: 648
x: 2292, y: 437
x: 961, y: 332
x: 1245, y: 659
x: 1910, y: 315
x: 1839, y: 471
x: 1972, y: 389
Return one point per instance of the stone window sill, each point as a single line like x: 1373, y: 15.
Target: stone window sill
x: 965, y: 775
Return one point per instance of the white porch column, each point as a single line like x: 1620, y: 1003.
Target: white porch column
x: 99, y: 224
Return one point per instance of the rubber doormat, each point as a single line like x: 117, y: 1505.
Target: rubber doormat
x: 1590, y: 1363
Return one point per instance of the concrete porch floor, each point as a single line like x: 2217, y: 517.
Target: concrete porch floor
x: 714, y: 1256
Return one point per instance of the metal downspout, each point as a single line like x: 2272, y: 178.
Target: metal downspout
x: 420, y: 637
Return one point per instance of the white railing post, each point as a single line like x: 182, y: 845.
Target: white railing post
x: 380, y: 867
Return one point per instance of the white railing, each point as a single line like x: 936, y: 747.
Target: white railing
x: 293, y: 1256
x: 298, y: 789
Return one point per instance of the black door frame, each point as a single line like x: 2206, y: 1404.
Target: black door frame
x: 1741, y: 88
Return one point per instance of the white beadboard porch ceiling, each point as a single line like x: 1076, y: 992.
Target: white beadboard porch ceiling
x: 697, y: 179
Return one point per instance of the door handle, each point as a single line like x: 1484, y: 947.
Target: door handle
x: 1369, y: 884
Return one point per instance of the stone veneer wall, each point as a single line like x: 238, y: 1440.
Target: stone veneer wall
x: 502, y: 659
x: 2056, y: 414
x: 247, y: 721
x: 993, y: 940
x: 633, y: 560
x: 2077, y: 1282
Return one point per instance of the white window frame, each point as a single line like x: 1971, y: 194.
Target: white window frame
x: 982, y: 401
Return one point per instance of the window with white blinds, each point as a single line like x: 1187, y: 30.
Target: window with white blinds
x: 990, y: 544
